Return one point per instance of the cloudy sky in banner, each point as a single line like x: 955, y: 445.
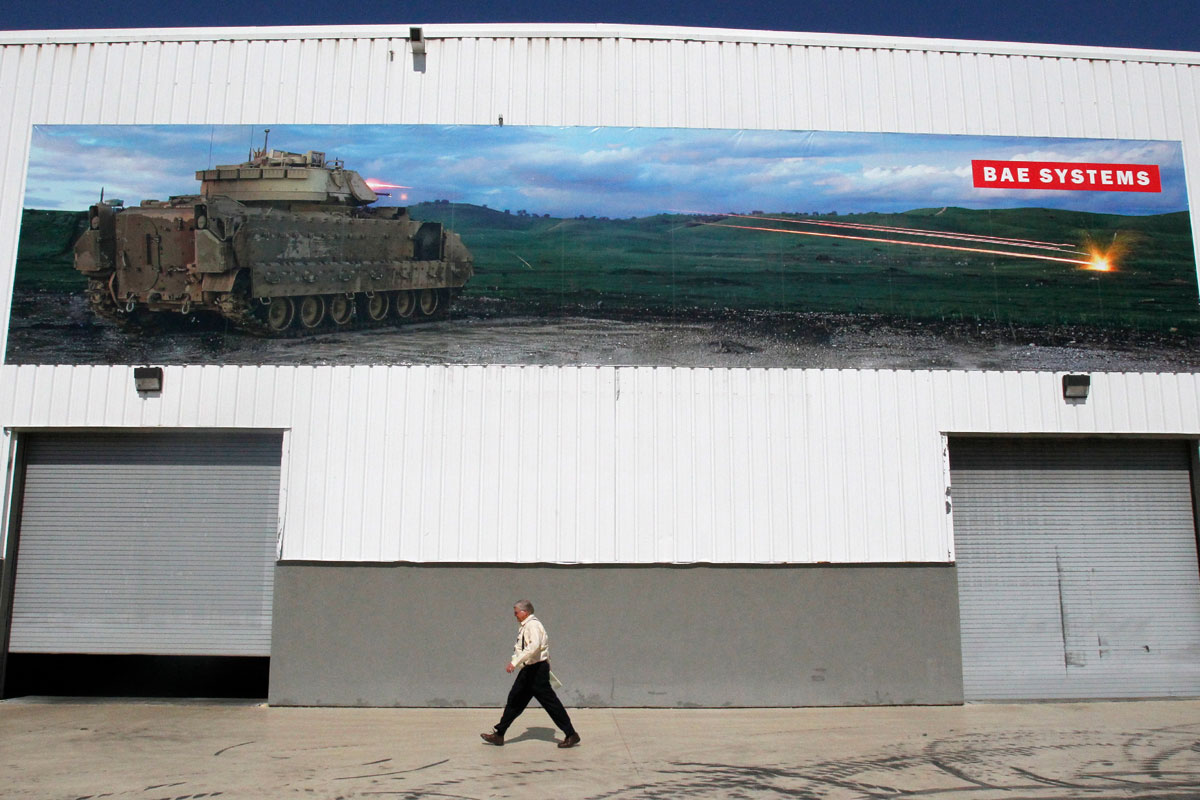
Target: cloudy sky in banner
x: 613, y: 172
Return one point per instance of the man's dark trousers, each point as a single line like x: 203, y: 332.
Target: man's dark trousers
x: 534, y: 681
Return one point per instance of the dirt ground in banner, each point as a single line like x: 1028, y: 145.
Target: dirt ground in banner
x: 68, y: 750
x: 52, y: 328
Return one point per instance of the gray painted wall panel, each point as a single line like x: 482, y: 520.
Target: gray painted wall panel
x: 421, y: 635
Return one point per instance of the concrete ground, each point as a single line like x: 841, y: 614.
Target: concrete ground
x: 155, y: 751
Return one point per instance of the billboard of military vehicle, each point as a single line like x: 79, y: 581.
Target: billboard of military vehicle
x: 283, y: 244
x: 593, y: 245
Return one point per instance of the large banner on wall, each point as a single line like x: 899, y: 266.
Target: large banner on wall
x: 678, y: 247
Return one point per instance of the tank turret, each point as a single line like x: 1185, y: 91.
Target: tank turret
x: 287, y: 180
x: 281, y: 244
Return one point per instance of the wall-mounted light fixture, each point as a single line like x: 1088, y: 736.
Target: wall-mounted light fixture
x: 148, y: 380
x: 416, y: 37
x: 1075, y: 387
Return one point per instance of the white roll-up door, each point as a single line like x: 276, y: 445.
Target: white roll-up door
x: 151, y: 543
x: 1077, y: 568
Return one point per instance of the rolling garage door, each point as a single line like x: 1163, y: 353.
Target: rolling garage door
x: 1076, y: 568
x: 157, y: 543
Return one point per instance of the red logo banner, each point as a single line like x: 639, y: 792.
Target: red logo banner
x: 1066, y: 176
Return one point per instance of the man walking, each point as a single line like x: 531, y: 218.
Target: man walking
x: 531, y: 655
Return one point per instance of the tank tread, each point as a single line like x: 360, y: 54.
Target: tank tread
x: 249, y: 316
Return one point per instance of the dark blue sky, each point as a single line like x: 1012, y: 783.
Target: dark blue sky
x: 1154, y: 24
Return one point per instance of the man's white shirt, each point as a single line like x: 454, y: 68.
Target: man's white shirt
x: 533, y: 643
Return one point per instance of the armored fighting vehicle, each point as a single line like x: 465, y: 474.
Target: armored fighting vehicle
x: 283, y: 244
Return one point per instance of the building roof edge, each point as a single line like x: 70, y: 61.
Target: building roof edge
x: 595, y: 31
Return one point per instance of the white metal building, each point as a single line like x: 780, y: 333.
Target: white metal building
x: 855, y: 536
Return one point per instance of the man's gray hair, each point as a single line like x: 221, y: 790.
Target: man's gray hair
x: 524, y: 605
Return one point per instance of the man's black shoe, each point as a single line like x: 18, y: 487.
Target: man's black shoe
x: 498, y: 739
x: 570, y: 741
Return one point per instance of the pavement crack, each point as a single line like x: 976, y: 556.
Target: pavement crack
x: 227, y: 749
x: 625, y: 743
x: 1045, y: 780
x: 396, y: 772
x: 962, y: 776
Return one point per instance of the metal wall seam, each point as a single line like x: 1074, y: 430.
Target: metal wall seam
x: 519, y: 478
x: 189, y: 91
x: 1050, y: 114
x: 1141, y: 396
x: 1189, y: 402
x: 1028, y: 95
x: 1122, y: 415
x: 345, y: 459
x: 1169, y: 397
x: 359, y: 454
x: 340, y: 476
x: 482, y: 450
x: 1003, y: 105
x: 1112, y: 83
x: 576, y: 499
x: 1148, y: 118
x: 499, y: 441
x: 269, y: 388
x: 244, y: 66
x: 909, y: 471
x: 812, y: 450
x: 538, y: 464
x: 113, y: 82
x: 888, y: 472
x: 628, y: 453
x: 879, y: 466
x: 1154, y: 418
x: 579, y: 498
x: 666, y: 450
x: 370, y: 402
x: 712, y: 512
x: 488, y: 102
x: 689, y: 525
x: 1024, y: 395
x: 41, y: 61
x: 776, y: 465
x: 688, y: 80
x: 454, y: 480
x: 737, y: 488
x: 146, y: 66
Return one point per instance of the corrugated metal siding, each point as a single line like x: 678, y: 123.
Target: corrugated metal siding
x: 135, y: 542
x: 606, y: 465
x: 1077, y: 568
x: 628, y: 465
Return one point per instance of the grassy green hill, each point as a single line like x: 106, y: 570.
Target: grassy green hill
x: 673, y: 264
x: 44, y: 252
